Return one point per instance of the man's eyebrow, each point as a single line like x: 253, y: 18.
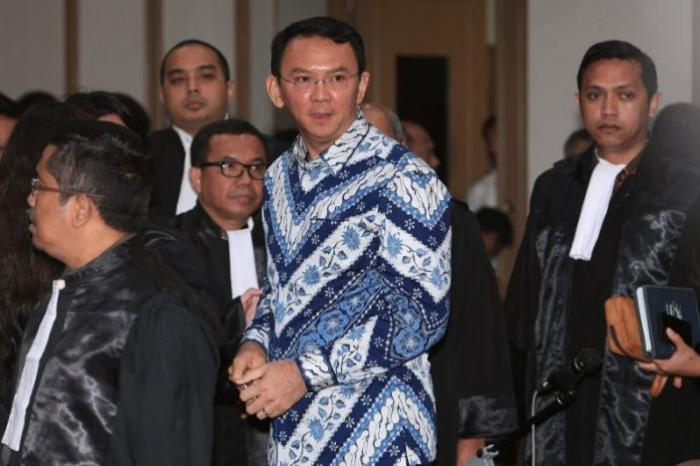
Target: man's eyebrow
x: 257, y: 159
x: 207, y: 67
x: 333, y: 70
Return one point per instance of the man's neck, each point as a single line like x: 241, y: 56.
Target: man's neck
x: 622, y: 157
x: 226, y: 224
x: 94, y: 245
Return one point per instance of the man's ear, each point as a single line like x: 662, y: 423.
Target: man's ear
x: 160, y: 94
x: 230, y: 90
x: 274, y: 91
x: 654, y: 104
x: 196, y: 179
x: 82, y: 210
x: 362, y: 87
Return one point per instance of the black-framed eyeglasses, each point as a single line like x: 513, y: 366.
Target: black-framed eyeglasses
x: 334, y: 82
x: 234, y: 168
x: 36, y: 185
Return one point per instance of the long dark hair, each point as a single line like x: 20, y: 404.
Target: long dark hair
x: 25, y: 273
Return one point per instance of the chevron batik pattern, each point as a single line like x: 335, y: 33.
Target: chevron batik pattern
x: 359, y: 276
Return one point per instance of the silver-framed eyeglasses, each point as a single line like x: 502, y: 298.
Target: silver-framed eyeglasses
x: 36, y: 185
x: 334, y: 82
x: 234, y: 169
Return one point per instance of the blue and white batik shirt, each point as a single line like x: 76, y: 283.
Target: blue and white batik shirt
x: 358, y: 246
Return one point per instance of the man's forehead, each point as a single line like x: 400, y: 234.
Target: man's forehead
x: 191, y: 56
x: 613, y: 72
x: 318, y: 53
x: 235, y: 144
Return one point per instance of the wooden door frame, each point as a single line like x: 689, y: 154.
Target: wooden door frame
x: 511, y: 112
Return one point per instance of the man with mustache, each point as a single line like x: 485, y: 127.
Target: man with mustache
x: 196, y: 89
x: 601, y: 224
x: 110, y: 353
x: 228, y: 165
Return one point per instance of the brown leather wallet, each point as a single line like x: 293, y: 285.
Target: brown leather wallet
x: 624, y: 337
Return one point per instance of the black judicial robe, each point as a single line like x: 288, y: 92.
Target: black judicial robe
x: 676, y: 412
x: 235, y: 442
x: 129, y: 371
x: 167, y: 164
x: 554, y: 303
x: 470, y: 365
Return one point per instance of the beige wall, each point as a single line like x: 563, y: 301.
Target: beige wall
x: 32, y: 38
x: 111, y: 55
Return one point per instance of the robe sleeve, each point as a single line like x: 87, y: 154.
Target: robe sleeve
x: 471, y: 365
x: 166, y: 388
x: 521, y: 303
x: 413, y: 270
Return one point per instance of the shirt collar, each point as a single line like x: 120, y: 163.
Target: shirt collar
x: 185, y: 137
x: 337, y: 155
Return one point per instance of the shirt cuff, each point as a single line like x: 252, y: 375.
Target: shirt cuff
x: 316, y: 370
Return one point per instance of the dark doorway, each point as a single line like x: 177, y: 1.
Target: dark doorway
x: 421, y: 96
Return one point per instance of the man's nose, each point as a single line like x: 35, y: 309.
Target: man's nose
x: 31, y: 198
x: 320, y: 91
x: 245, y: 177
x: 192, y: 84
x: 609, y: 105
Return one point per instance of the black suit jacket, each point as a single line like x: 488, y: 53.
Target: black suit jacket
x: 167, y: 162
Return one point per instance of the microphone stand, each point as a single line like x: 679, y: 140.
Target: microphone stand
x: 485, y: 456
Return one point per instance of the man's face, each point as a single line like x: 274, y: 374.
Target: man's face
x: 6, y: 127
x: 615, y: 105
x: 49, y: 218
x: 422, y: 144
x: 230, y: 201
x: 194, y: 90
x: 322, y: 111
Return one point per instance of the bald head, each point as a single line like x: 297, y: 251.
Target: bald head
x: 379, y: 118
x: 421, y: 143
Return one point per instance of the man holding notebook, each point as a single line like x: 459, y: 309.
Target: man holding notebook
x: 601, y: 224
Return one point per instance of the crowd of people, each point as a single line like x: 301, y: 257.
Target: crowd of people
x: 207, y: 294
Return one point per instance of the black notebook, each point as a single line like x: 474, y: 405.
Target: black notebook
x: 660, y: 307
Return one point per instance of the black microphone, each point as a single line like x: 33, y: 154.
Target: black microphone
x: 586, y: 362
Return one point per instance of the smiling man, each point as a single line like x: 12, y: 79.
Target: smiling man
x: 196, y: 89
x: 358, y: 239
x: 600, y: 224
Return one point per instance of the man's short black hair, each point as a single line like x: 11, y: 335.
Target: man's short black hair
x: 220, y: 56
x: 8, y: 107
x: 233, y: 126
x: 109, y: 161
x: 620, y: 50
x: 334, y: 29
x: 495, y: 221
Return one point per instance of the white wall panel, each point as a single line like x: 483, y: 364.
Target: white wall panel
x: 31, y: 55
x: 112, y: 53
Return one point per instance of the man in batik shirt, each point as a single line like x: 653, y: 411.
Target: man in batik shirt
x: 358, y: 237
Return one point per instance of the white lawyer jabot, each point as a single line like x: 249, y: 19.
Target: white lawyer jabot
x: 30, y: 371
x: 242, y: 260
x: 595, y: 207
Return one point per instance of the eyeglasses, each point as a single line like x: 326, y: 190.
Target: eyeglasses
x: 334, y: 82
x: 234, y: 169
x: 36, y: 185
